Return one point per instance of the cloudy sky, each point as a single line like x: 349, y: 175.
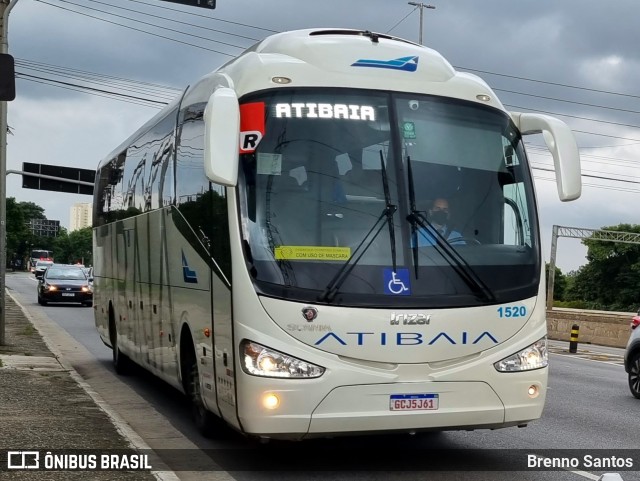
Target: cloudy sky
x: 575, y: 59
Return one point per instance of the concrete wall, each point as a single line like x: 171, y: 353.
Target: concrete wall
x: 596, y: 327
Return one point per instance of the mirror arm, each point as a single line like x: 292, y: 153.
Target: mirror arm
x: 562, y: 145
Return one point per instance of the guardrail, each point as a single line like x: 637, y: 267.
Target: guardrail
x: 596, y: 327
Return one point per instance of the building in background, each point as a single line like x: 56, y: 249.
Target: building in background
x: 80, y: 216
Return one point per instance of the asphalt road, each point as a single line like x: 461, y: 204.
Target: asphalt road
x: 589, y: 408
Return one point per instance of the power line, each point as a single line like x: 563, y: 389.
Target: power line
x: 532, y: 109
x: 487, y: 72
x: 610, y: 146
x: 592, y: 173
x: 164, y: 7
x: 550, y: 83
x: 574, y: 116
x: 115, y: 94
x: 153, y: 25
x: 136, y: 29
x: 403, y: 19
x: 543, y: 148
x: 591, y: 176
x: 596, y: 186
x: 29, y: 63
x: 110, y: 95
x: 567, y: 101
x: 147, y: 14
x: 606, y: 135
x: 106, y: 83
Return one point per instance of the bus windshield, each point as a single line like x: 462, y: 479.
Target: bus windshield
x: 427, y: 201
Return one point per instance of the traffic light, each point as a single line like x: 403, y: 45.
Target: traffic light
x: 7, y: 77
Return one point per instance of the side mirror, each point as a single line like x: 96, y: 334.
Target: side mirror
x: 562, y: 145
x: 222, y: 137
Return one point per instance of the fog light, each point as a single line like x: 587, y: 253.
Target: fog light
x: 270, y: 401
x: 533, y: 391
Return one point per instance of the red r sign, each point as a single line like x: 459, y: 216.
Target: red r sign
x: 251, y: 126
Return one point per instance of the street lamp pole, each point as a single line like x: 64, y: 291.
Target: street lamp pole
x: 5, y: 9
x: 421, y: 6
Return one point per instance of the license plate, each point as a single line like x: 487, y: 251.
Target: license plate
x: 68, y: 294
x: 413, y: 402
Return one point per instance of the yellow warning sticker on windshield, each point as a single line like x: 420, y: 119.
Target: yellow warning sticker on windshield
x: 312, y: 253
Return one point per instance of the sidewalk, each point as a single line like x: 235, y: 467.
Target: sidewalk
x: 43, y: 407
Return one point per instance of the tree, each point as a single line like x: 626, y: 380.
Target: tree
x: 81, y: 241
x: 31, y: 211
x: 17, y: 231
x: 20, y: 240
x: 559, y: 283
x: 73, y: 247
x: 611, y: 278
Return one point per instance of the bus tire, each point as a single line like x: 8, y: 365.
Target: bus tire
x: 634, y: 375
x: 204, y: 419
x: 121, y: 363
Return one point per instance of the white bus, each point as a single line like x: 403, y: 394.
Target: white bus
x: 260, y: 244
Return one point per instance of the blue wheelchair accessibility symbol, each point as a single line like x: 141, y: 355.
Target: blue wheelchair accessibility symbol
x: 397, y: 283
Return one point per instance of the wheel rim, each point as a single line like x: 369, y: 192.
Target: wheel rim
x: 634, y: 375
x: 195, y: 395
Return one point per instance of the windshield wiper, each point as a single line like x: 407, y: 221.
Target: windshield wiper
x: 449, y: 253
x: 389, y: 211
x: 410, y: 218
x: 338, y: 279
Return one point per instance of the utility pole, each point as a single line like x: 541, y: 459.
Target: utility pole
x: 421, y: 6
x: 552, y: 267
x: 5, y: 9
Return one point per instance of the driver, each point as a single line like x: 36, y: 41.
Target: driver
x: 439, y: 217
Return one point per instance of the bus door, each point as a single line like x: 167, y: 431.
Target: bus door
x: 223, y: 347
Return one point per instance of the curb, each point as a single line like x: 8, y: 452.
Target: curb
x: 123, y: 428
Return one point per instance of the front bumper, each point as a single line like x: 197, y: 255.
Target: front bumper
x: 62, y: 296
x: 365, y: 408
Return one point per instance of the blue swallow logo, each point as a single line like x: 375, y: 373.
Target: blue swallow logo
x: 189, y: 276
x: 408, y: 64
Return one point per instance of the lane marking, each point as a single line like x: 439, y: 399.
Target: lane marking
x: 584, y: 474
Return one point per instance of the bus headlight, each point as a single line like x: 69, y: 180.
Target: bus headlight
x: 259, y: 360
x: 532, y: 357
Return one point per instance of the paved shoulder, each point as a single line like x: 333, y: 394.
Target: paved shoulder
x: 42, y: 407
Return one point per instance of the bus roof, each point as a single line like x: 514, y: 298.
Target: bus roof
x: 325, y: 57
x: 351, y: 58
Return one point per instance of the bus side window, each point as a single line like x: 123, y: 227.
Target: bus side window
x: 202, y: 203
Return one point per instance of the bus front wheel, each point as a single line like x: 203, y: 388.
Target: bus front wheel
x: 204, y: 419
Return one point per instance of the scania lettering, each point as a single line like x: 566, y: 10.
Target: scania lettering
x: 263, y: 245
